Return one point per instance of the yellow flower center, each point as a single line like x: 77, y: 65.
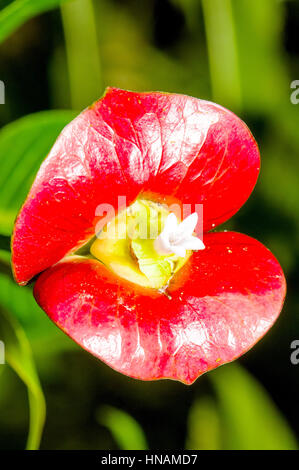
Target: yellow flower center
x: 126, y: 245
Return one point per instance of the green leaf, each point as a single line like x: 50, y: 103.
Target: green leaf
x: 45, y: 338
x: 18, y: 12
x: 126, y: 431
x: 240, y: 416
x: 20, y: 302
x: 204, y: 425
x: 249, y: 418
x: 23, y: 146
x: 262, y: 65
x: 19, y: 356
x: 4, y: 257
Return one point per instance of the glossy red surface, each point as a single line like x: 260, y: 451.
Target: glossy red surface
x: 171, y: 148
x: 218, y: 306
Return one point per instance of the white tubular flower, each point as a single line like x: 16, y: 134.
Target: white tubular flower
x: 177, y: 237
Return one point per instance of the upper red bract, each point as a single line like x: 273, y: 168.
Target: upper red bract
x: 176, y: 149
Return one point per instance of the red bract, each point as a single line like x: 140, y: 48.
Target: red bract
x: 169, y: 148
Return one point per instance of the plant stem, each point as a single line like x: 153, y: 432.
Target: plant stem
x: 82, y: 52
x: 222, y: 50
x: 37, y: 407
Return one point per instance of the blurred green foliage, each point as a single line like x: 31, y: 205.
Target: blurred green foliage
x: 19, y: 356
x: 15, y: 13
x: 241, y: 416
x: 240, y: 53
x: 26, y: 141
x: 125, y: 429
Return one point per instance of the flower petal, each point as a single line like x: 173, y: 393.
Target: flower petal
x: 216, y: 308
x: 193, y: 243
x: 178, y: 250
x: 171, y: 224
x: 187, y: 226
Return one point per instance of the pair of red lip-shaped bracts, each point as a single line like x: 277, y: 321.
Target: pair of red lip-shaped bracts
x: 167, y: 148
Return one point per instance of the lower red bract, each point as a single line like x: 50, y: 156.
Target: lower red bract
x: 217, y: 307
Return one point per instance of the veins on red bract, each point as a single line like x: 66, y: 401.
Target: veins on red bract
x: 167, y: 148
